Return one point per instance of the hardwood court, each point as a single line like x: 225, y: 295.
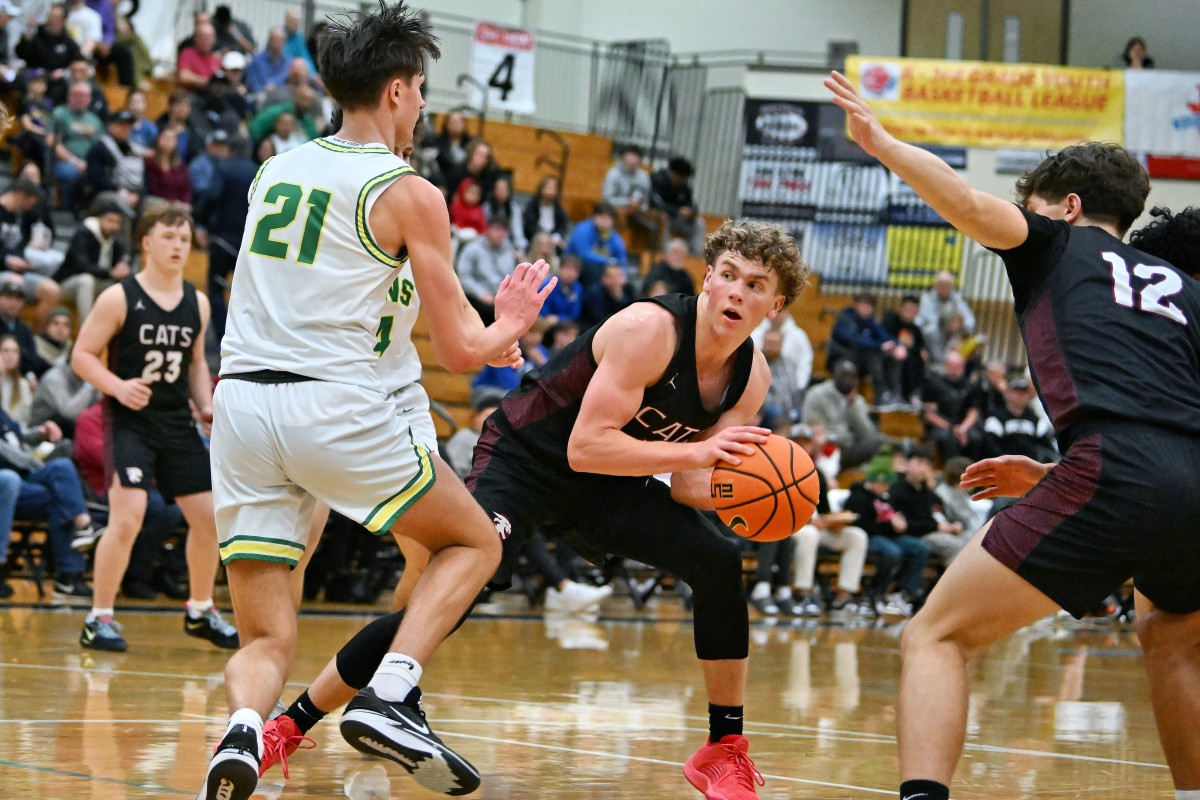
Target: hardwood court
x: 581, y: 709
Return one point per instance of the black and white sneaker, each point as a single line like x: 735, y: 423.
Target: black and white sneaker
x: 85, y: 538
x: 233, y: 771
x: 399, y: 732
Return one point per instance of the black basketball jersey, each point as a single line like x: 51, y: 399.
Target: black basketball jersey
x: 538, y: 415
x: 157, y: 345
x: 1112, y: 332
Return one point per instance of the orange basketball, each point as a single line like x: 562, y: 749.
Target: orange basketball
x: 770, y: 495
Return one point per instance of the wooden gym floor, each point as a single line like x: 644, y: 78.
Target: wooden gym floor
x: 576, y: 708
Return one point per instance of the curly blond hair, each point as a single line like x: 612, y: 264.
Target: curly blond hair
x: 772, y: 245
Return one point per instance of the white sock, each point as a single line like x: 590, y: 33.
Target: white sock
x: 250, y: 718
x: 197, y: 608
x: 783, y: 593
x: 1187, y: 794
x: 761, y: 590
x: 100, y: 612
x: 397, y: 675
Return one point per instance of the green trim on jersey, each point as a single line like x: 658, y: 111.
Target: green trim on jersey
x: 341, y: 148
x: 257, y: 175
x: 384, y: 515
x: 360, y: 216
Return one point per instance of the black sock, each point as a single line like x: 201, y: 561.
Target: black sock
x: 304, y: 713
x: 723, y: 721
x: 924, y: 790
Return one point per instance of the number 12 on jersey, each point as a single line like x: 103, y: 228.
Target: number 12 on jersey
x: 287, y: 196
x: 1151, y: 298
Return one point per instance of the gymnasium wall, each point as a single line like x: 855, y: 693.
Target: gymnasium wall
x: 1100, y: 28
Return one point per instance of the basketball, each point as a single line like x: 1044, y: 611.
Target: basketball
x: 770, y: 495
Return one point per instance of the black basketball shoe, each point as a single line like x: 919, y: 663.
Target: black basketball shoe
x: 233, y: 771
x: 399, y: 732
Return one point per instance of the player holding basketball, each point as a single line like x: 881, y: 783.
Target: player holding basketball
x: 301, y: 412
x: 664, y: 386
x: 1114, y: 342
x: 152, y: 326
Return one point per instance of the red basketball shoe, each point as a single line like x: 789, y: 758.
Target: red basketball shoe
x: 281, y: 738
x: 723, y: 770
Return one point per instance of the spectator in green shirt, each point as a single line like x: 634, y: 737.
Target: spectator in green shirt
x: 77, y: 129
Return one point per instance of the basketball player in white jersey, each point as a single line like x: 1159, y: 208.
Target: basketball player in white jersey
x: 301, y: 414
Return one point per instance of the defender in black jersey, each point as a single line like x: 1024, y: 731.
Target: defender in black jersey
x: 152, y: 326
x: 1114, y: 348
x: 664, y: 386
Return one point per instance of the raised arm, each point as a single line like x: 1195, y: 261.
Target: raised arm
x: 987, y: 219
x: 633, y: 349
x: 460, y: 340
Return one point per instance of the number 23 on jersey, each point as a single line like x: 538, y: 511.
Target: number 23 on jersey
x: 287, y: 197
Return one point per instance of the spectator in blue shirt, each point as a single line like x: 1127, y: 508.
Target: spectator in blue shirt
x: 564, y: 303
x: 860, y: 338
x: 295, y: 46
x: 269, y: 68
x: 507, y: 378
x: 596, y: 243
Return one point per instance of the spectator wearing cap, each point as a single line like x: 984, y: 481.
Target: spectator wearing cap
x: 49, y: 47
x: 671, y: 193
x: 269, y: 68
x: 899, y: 558
x: 166, y: 173
x: 482, y: 264
x: 203, y: 167
x: 858, y: 336
x: 913, y: 496
x: 116, y: 166
x: 199, y: 62
x: 1015, y: 429
x: 19, y: 260
x: 222, y: 215
x: 597, y: 244
x: 96, y: 257
x: 459, y: 447
x: 228, y: 97
x: 12, y: 300
x: 76, y: 129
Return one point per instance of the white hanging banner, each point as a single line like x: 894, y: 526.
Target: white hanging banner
x: 502, y: 60
x: 1162, y: 112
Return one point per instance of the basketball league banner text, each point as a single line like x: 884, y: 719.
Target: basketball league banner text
x: 981, y: 104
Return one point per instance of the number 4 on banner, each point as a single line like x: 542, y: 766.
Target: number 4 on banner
x: 502, y: 60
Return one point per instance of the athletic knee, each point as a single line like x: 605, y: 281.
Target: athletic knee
x: 1164, y: 635
x: 923, y: 633
x: 711, y: 563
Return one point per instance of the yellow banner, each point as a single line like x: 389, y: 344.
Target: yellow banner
x: 983, y: 104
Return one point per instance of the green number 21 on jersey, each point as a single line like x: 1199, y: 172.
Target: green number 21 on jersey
x: 287, y: 196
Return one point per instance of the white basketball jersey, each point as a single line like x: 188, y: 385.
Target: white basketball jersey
x: 310, y: 285
x: 399, y: 363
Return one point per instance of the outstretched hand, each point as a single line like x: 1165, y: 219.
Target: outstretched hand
x: 864, y: 127
x: 521, y: 295
x: 1006, y: 476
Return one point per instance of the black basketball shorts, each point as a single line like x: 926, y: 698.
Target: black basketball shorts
x: 168, y: 453
x: 1122, y: 503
